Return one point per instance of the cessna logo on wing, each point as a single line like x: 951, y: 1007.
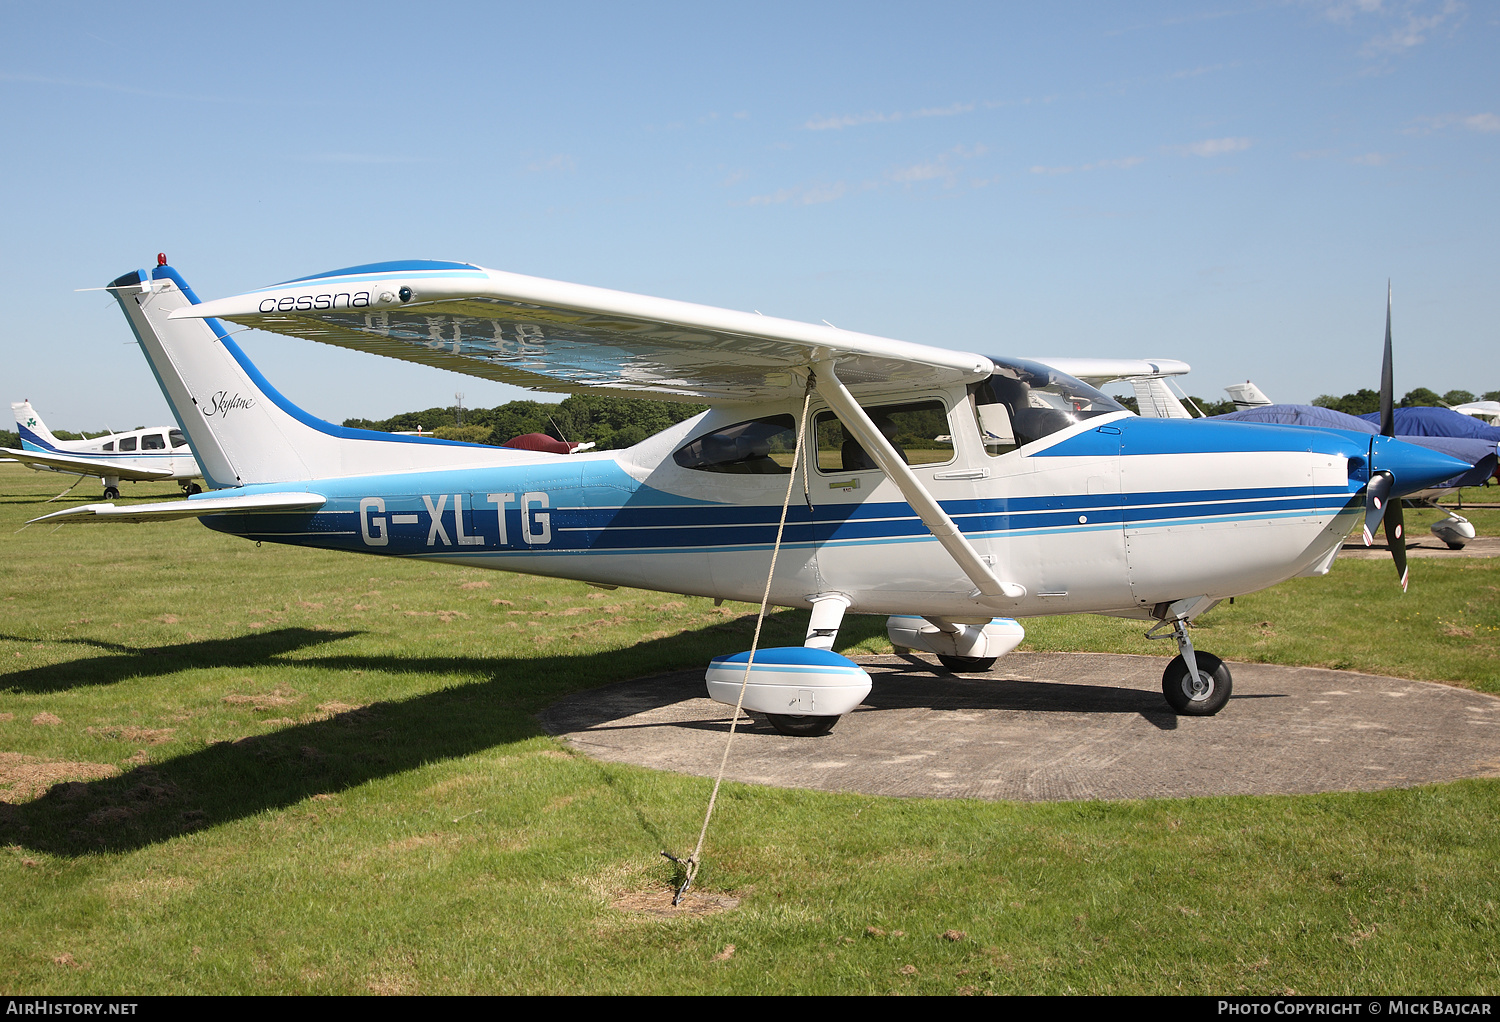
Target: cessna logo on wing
x: 221, y: 404
x: 307, y: 303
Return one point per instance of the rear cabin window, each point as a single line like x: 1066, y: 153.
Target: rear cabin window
x: 128, y: 444
x: 153, y: 442
x: 919, y: 432
x: 109, y: 446
x: 176, y: 439
x: 757, y: 447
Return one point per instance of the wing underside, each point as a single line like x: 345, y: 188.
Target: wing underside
x: 87, y: 466
x: 549, y: 335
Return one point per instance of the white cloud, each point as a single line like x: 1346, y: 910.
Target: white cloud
x: 1212, y: 147
x: 561, y: 163
x: 1485, y: 123
x: 801, y: 196
x: 944, y: 167
x: 873, y: 117
x: 1122, y: 163
x: 1414, y: 20
x: 360, y: 158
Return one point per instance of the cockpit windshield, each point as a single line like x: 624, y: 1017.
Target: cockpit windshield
x: 1024, y: 401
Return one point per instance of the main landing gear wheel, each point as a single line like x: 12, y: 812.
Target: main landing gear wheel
x: 798, y: 726
x: 111, y: 493
x: 1201, y: 697
x: 967, y: 664
x: 192, y: 488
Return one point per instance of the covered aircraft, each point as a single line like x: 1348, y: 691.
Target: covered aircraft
x: 813, y: 481
x: 160, y: 452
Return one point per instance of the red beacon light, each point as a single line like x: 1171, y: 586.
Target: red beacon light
x: 161, y: 259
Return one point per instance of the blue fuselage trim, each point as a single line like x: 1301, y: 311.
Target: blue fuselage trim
x: 593, y: 506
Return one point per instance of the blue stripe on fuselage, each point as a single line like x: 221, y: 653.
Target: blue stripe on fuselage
x: 594, y: 506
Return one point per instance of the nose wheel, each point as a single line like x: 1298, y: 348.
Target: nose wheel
x: 1200, y: 695
x: 1196, y: 684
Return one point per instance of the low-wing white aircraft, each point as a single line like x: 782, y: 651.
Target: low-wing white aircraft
x: 1044, y: 497
x: 160, y: 452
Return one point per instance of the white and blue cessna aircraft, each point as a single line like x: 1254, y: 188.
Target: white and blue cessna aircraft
x: 1039, y: 495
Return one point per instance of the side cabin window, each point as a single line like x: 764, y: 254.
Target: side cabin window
x: 1025, y: 401
x: 127, y: 444
x: 175, y: 439
x: 757, y: 447
x: 153, y: 442
x: 919, y: 432
x: 109, y: 446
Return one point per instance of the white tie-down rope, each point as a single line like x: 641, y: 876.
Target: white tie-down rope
x: 690, y: 867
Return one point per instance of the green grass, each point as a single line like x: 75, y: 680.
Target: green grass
x: 276, y: 770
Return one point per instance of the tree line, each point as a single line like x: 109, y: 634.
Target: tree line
x: 1364, y: 401
x: 610, y: 422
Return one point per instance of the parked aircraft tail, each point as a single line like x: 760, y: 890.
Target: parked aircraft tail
x: 1246, y: 395
x: 33, y: 432
x: 241, y: 428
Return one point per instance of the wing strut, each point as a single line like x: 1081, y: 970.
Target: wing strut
x: 943, y: 529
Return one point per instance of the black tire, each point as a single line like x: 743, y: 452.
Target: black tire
x: 794, y: 726
x: 967, y: 664
x: 1210, y: 696
x: 1454, y: 546
x: 192, y: 488
x: 111, y: 493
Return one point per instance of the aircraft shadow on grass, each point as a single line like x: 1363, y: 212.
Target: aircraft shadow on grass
x: 120, y: 661
x: 229, y: 781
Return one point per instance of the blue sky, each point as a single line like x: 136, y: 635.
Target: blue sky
x: 1228, y: 185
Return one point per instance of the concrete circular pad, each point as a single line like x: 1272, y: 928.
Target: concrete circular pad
x: 1057, y: 726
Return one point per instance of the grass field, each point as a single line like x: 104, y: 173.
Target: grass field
x: 238, y: 769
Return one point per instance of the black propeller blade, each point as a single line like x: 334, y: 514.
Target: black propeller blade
x: 1377, y: 496
x: 1378, y: 502
x: 1395, y: 536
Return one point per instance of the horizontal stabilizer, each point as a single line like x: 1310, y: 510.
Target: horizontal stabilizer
x: 170, y: 510
x: 87, y: 466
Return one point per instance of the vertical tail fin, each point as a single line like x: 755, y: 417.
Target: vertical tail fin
x: 1246, y: 395
x: 236, y: 430
x: 33, y: 432
x: 242, y: 430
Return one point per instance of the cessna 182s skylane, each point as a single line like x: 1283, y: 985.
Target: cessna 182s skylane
x: 1045, y: 496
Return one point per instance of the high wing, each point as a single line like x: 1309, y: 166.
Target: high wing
x: 556, y: 336
x: 87, y: 466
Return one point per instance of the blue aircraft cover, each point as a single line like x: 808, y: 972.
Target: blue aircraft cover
x: 1438, y: 422
x: 1302, y: 415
